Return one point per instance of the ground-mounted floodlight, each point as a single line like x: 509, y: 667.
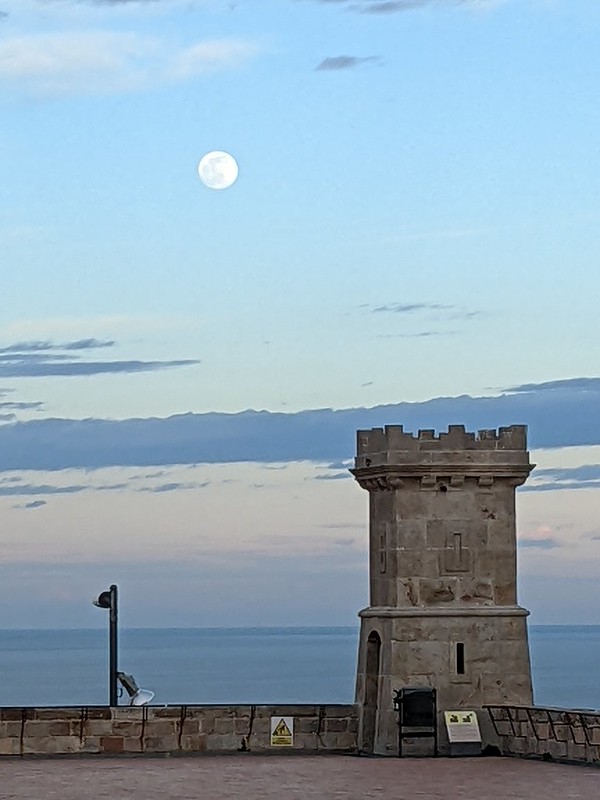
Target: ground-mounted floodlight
x: 109, y: 600
x: 138, y: 697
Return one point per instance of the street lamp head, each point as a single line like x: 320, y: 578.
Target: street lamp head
x: 107, y: 599
x: 103, y: 600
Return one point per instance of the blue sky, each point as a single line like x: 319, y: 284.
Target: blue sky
x: 416, y: 221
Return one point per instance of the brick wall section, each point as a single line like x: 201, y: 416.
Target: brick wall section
x: 173, y: 729
x: 550, y: 733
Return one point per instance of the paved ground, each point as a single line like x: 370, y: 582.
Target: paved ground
x: 253, y: 777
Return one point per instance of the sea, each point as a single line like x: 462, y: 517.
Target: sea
x: 250, y: 665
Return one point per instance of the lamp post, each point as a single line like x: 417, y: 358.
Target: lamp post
x: 109, y: 600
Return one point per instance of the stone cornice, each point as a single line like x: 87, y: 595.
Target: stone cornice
x: 390, y: 477
x: 439, y: 611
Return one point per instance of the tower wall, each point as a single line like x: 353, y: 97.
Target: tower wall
x: 443, y: 608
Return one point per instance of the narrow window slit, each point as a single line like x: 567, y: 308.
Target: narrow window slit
x: 460, y: 658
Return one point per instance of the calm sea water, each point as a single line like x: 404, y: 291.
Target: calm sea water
x: 250, y: 665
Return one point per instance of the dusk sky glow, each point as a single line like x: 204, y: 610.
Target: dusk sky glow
x: 412, y: 239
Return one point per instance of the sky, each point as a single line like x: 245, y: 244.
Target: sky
x: 412, y: 239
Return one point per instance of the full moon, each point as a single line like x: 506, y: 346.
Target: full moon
x: 218, y: 170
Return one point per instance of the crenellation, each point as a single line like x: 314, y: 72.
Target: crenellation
x: 395, y: 438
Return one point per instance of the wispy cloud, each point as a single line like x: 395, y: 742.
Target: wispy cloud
x: 542, y: 544
x: 21, y: 406
x: 206, y: 56
x: 33, y: 365
x: 43, y: 346
x: 33, y: 504
x: 344, y: 526
x: 443, y: 313
x: 119, y: 2
x: 384, y: 7
x: 584, y: 477
x: 411, y: 308
x: 344, y: 62
x: 438, y: 309
x: 416, y: 335
x: 336, y: 476
x: 84, y: 62
x: 568, y: 385
x: 11, y: 490
x: 173, y: 487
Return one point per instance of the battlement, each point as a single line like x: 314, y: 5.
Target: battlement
x: 501, y: 452
x: 395, y: 438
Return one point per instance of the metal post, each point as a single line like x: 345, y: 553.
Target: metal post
x: 112, y: 642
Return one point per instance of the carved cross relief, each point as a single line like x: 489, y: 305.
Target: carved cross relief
x: 456, y: 554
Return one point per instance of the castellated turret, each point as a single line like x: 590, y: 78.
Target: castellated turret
x: 443, y: 608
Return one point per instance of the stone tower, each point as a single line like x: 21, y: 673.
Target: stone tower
x: 443, y: 608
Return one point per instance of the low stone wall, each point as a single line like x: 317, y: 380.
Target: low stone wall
x: 173, y: 729
x: 553, y: 734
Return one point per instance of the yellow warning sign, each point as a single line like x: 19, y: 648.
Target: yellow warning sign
x: 282, y: 731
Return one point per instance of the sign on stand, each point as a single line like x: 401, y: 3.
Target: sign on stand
x: 463, y: 732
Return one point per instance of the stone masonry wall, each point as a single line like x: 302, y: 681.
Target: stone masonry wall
x: 173, y: 729
x: 552, y: 734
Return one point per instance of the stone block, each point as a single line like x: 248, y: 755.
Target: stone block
x: 225, y: 742
x: 128, y: 730
x: 194, y: 743
x: 98, y: 712
x: 66, y: 745
x: 241, y: 725
x: 133, y: 744
x: 576, y: 752
x: 10, y: 729
x: 37, y: 729
x: 161, y: 744
x: 10, y: 746
x: 407, y: 592
x: 59, y: 728
x: 91, y: 745
x: 336, y: 725
x: 169, y: 712
x: 345, y: 741
x: 190, y: 726
x: 207, y: 721
x: 262, y: 726
x: 476, y: 591
x: 37, y: 747
x: 16, y: 714
x: 56, y: 713
x: 95, y: 727
x: 410, y: 534
x: 593, y: 754
x: 162, y: 727
x: 225, y: 725
x: 438, y: 591
x: 296, y: 710
x: 112, y: 744
x: 306, y: 725
x: 128, y: 714
x: 556, y: 749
